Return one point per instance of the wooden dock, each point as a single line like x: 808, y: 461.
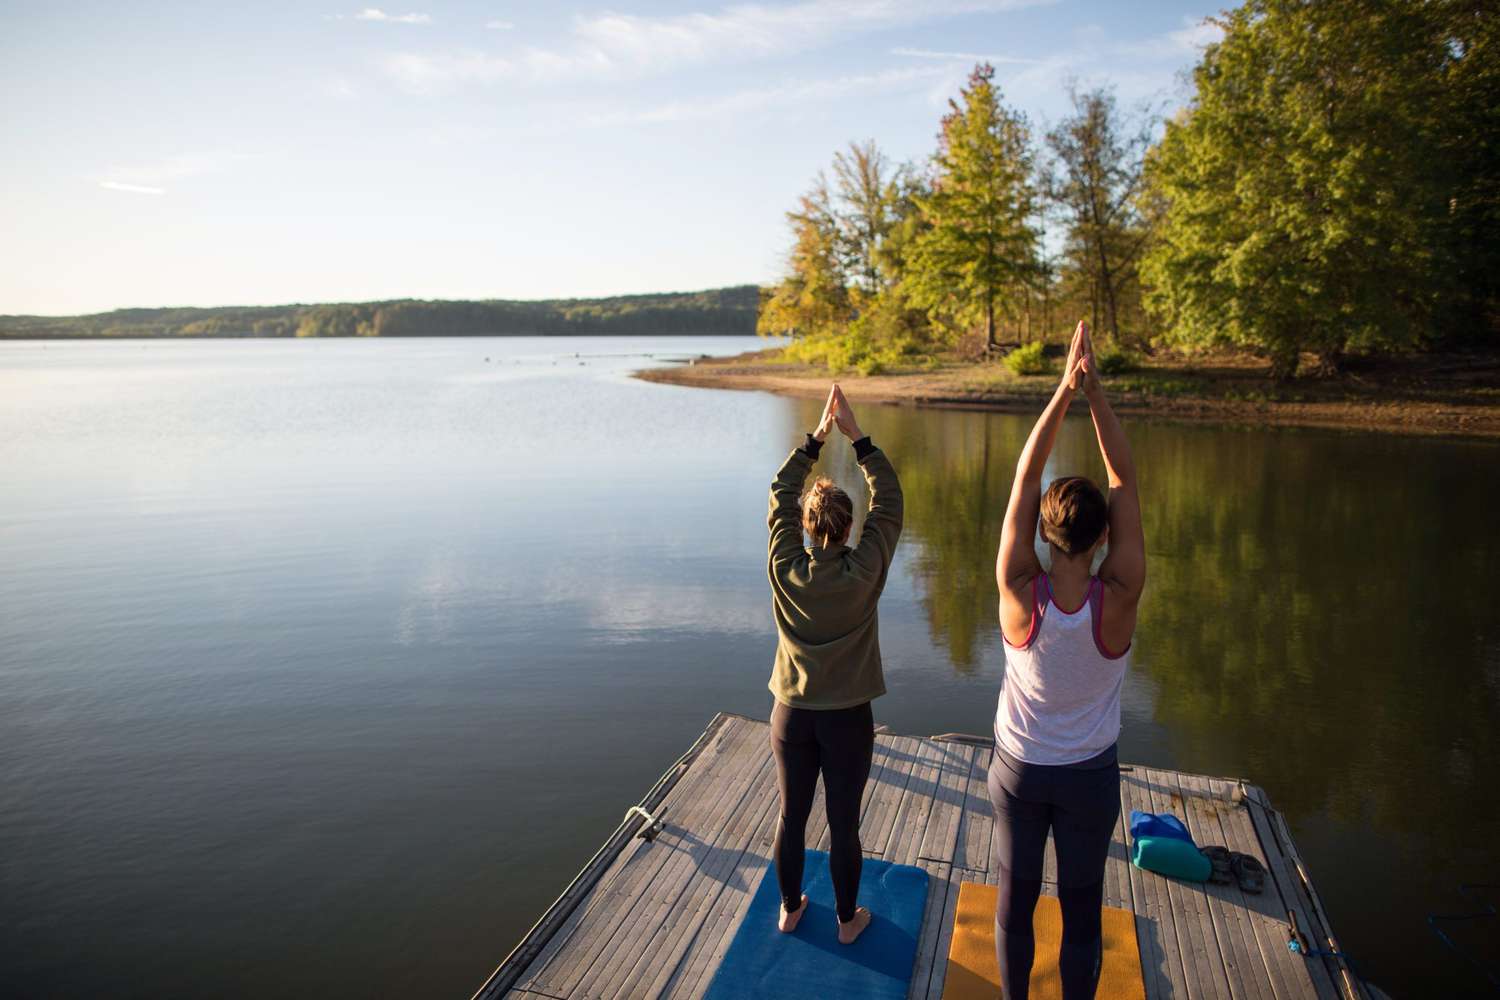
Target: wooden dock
x: 651, y: 916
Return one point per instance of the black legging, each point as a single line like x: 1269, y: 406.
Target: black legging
x: 839, y: 743
x: 1080, y: 803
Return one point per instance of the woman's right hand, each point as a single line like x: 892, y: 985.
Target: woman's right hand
x: 1078, y: 349
x: 844, y: 414
x: 829, y: 417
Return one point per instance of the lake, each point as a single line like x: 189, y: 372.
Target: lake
x: 325, y: 665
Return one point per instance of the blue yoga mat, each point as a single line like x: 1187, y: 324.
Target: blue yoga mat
x: 810, y: 962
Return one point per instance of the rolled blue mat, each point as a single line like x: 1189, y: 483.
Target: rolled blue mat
x: 764, y: 963
x: 1159, y: 842
x: 1144, y: 824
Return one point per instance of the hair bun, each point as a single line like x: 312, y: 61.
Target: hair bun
x: 827, y: 511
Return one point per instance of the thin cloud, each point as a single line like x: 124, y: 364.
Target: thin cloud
x: 425, y: 74
x: 1137, y: 70
x: 499, y: 25
x: 171, y: 168
x: 380, y: 16
x: 131, y: 188
x: 973, y: 57
x: 614, y: 45
x: 1191, y: 39
x: 1198, y: 35
x: 762, y: 29
x: 756, y: 99
x: 338, y: 88
x: 153, y: 177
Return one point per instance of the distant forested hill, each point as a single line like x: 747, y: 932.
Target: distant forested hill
x: 716, y: 311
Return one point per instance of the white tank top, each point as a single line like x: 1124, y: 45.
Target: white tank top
x: 1060, y: 703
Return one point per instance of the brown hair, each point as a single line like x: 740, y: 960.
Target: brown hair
x: 827, y: 512
x: 1074, y: 514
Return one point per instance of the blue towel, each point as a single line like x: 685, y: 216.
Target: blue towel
x: 1144, y: 824
x: 762, y: 962
x: 1161, y: 843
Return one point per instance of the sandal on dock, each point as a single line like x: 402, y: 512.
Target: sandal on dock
x: 1249, y: 871
x: 1223, y: 870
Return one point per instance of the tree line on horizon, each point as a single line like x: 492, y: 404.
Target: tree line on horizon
x: 714, y: 311
x: 1332, y: 188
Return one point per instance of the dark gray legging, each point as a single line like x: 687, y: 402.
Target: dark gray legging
x: 839, y: 743
x: 1079, y: 803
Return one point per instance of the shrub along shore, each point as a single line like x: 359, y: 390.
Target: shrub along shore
x: 1455, y: 394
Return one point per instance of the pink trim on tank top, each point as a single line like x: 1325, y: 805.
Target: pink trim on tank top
x: 1038, y: 581
x: 1095, y: 601
x: 1093, y: 598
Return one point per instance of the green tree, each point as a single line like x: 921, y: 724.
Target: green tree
x: 977, y: 253
x: 842, y: 293
x: 867, y: 194
x: 1093, y: 180
x: 813, y: 298
x: 1466, y: 113
x: 1302, y: 209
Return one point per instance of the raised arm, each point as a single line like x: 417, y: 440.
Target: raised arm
x: 785, y: 517
x: 877, y: 540
x: 1016, y: 564
x: 1124, y: 568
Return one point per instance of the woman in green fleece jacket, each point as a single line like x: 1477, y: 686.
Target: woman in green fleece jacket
x: 827, y: 667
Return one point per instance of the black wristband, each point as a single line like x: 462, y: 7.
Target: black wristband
x: 813, y: 446
x: 862, y: 448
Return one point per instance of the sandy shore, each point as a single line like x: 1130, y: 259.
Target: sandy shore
x: 1448, y: 395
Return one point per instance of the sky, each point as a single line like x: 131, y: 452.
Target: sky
x: 202, y: 154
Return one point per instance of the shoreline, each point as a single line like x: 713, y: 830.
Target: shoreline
x: 1430, y: 400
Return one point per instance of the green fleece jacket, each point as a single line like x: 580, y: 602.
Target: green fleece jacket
x: 824, y: 600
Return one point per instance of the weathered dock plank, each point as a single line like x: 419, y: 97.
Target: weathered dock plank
x: 1117, y: 891
x: 685, y: 894
x: 555, y: 928
x: 938, y: 902
x: 1195, y: 932
x: 972, y: 850
x: 1292, y: 898
x: 1162, y: 967
x: 699, y: 802
x: 939, y: 840
x: 1244, y: 964
x: 917, y: 801
x: 932, y: 989
x: 697, y: 965
x: 654, y: 918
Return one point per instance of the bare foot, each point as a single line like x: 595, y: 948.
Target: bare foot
x: 848, y: 932
x: 788, y: 921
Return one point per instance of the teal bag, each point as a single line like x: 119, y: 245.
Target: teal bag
x: 1170, y: 856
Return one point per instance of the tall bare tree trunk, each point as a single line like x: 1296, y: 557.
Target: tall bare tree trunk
x: 1107, y: 280
x: 989, y: 321
x: 1046, y: 310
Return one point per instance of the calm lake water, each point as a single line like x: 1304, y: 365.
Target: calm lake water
x: 325, y: 665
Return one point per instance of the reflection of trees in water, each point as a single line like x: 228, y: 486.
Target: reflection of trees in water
x: 1318, y: 614
x: 1318, y: 617
x: 956, y: 470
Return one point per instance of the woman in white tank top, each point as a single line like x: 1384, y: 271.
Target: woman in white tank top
x: 1067, y: 642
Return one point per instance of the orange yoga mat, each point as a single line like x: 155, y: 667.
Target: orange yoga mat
x: 974, y: 974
